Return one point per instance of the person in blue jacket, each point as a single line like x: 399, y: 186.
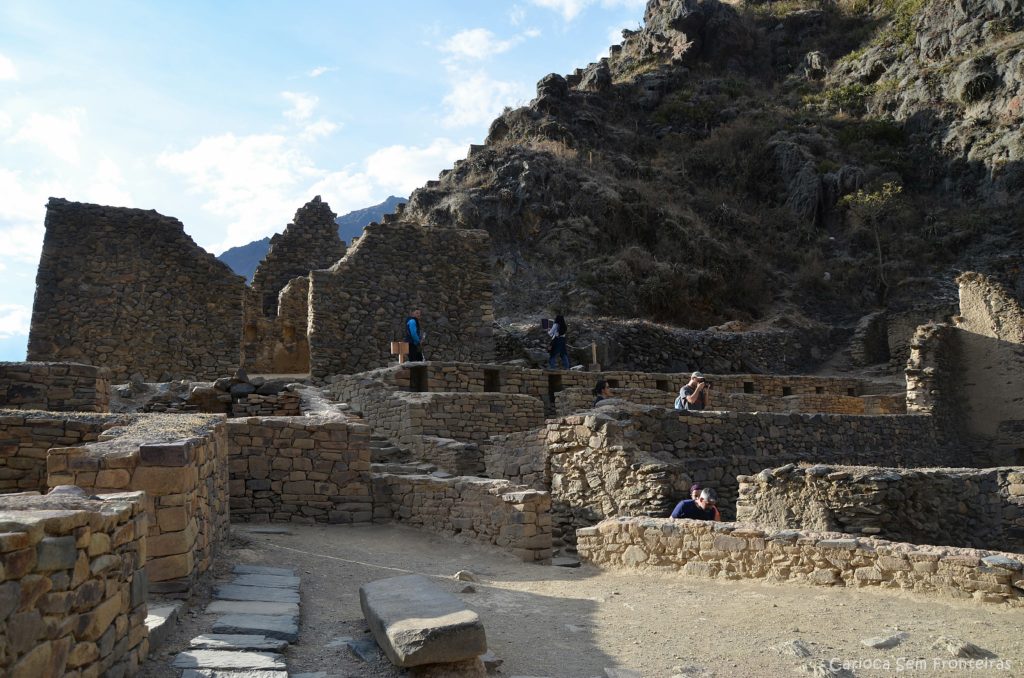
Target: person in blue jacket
x: 701, y: 508
x: 414, y: 335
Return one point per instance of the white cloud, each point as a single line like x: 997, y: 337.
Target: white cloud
x: 22, y: 211
x: 477, y: 43
x: 320, y: 128
x: 516, y: 15
x: 476, y: 98
x: 302, y: 105
x: 107, y: 185
x: 14, y: 320
x: 570, y: 9
x: 5, y: 122
x: 7, y: 69
x: 401, y: 169
x: 58, y: 133
x: 320, y: 70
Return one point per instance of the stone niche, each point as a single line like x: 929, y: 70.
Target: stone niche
x: 128, y: 290
x: 359, y: 305
x: 978, y: 508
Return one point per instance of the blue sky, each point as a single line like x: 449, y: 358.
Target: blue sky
x: 229, y: 115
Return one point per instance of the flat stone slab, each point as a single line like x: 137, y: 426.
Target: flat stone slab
x: 223, y: 659
x: 415, y: 622
x: 211, y: 673
x: 271, y: 580
x: 364, y: 648
x: 252, y: 607
x: 243, y: 568
x: 264, y: 594
x: 234, y: 641
x: 160, y: 622
x: 269, y: 529
x: 272, y: 626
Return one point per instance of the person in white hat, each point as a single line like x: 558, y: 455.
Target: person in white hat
x: 696, y: 395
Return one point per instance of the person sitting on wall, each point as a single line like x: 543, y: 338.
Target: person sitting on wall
x: 695, y: 396
x: 414, y: 335
x: 602, y: 391
x: 701, y: 508
x: 695, y: 491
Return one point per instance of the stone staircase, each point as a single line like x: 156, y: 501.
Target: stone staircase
x: 382, y: 450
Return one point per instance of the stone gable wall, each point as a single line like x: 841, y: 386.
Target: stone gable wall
x: 26, y: 438
x: 56, y: 387
x: 299, y: 469
x: 488, y: 511
x: 278, y: 345
x: 181, y: 463
x: 128, y: 290
x: 977, y: 508
x: 74, y: 597
x: 738, y: 551
x: 360, y: 304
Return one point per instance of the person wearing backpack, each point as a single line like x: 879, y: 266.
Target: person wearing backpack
x: 694, y: 396
x: 558, y: 348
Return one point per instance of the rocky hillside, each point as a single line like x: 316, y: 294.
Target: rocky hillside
x: 809, y: 160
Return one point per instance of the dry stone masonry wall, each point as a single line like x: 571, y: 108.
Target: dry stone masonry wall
x: 360, y: 304
x: 978, y: 508
x: 26, y: 437
x: 56, y: 387
x: 128, y: 290
x: 73, y: 599
x: 488, y: 511
x: 738, y: 551
x: 299, y: 469
x: 180, y: 461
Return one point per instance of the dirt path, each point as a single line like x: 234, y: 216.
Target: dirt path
x: 573, y: 623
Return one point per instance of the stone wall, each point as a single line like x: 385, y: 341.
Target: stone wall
x: 56, y: 387
x: 299, y: 469
x: 991, y: 336
x: 74, y: 597
x: 664, y: 450
x: 738, y: 551
x: 281, y: 404
x: 26, y: 437
x: 278, y: 345
x: 978, y: 508
x: 127, y: 289
x: 360, y: 304
x: 933, y: 374
x: 488, y: 511
x: 181, y: 463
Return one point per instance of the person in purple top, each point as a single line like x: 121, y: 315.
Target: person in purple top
x: 701, y: 508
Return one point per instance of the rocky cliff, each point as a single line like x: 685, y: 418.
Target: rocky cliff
x: 809, y: 159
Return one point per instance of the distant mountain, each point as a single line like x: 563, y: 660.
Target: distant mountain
x: 244, y: 259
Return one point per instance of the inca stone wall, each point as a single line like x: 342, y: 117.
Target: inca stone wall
x: 978, y: 508
x: 278, y: 345
x: 299, y: 469
x: 181, y: 463
x: 933, y: 374
x: 26, y: 437
x: 991, y: 336
x: 73, y: 602
x: 56, y: 387
x: 128, y: 290
x: 738, y: 551
x: 488, y: 511
x: 360, y: 304
x: 712, y: 448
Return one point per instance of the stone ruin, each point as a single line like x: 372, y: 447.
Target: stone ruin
x: 825, y: 481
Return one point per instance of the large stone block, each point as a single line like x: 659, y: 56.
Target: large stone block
x: 415, y: 622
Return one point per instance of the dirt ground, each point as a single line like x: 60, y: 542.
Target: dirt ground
x: 575, y: 623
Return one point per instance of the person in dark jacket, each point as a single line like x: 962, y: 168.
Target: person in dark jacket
x: 701, y: 508
x: 558, y: 342
x: 414, y: 335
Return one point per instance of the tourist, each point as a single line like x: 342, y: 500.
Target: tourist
x: 558, y: 344
x: 695, y: 491
x: 414, y: 335
x: 601, y: 391
x: 701, y: 508
x: 695, y: 395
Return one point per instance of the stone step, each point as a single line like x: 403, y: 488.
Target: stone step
x: 236, y: 642
x: 268, y: 595
x: 160, y: 621
x: 242, y: 568
x: 402, y: 469
x: 283, y: 627
x: 252, y: 607
x: 270, y: 580
x: 221, y: 673
x: 226, y: 659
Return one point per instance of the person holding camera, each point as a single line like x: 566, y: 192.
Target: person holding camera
x: 695, y: 395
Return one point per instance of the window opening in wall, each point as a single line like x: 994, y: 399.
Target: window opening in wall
x: 613, y: 383
x: 492, y: 381
x: 819, y: 389
x: 662, y: 385
x: 787, y: 391
x: 418, y: 379
x: 748, y: 387
x: 851, y: 392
